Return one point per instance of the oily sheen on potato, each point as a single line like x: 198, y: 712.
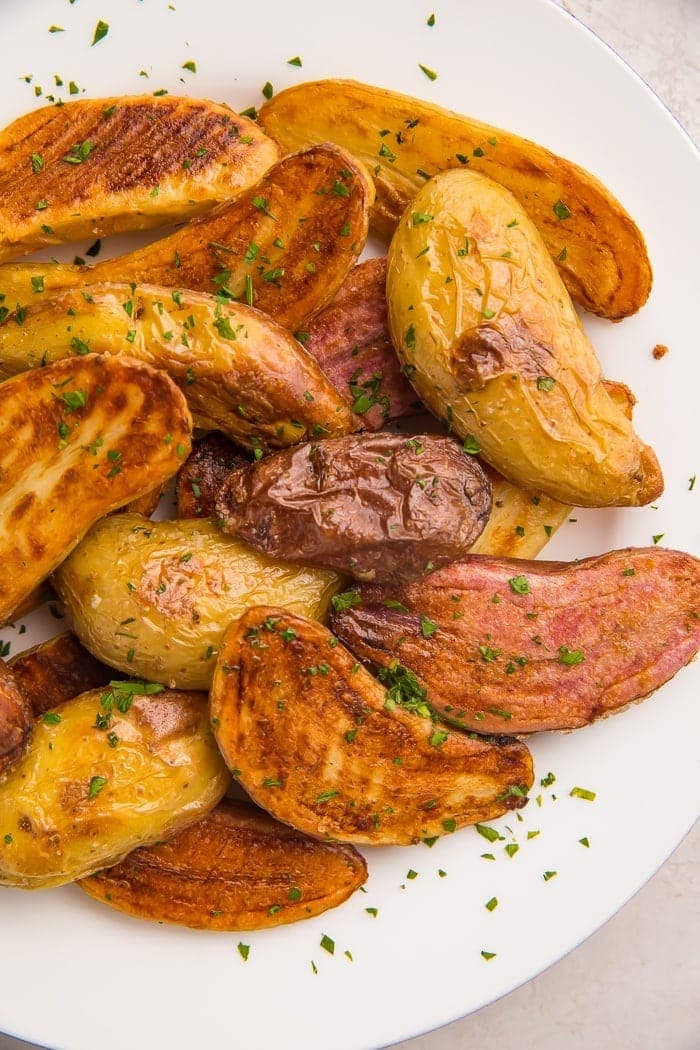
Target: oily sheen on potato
x: 378, y: 506
x: 521, y: 646
x: 284, y: 246
x: 322, y: 745
x: 237, y: 869
x: 598, y: 249
x: 78, y: 439
x: 112, y: 770
x: 100, y: 166
x: 240, y: 372
x: 154, y: 598
x: 492, y: 343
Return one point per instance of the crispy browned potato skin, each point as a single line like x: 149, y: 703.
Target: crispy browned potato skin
x: 377, y: 506
x: 53, y: 672
x: 203, y: 473
x: 15, y: 721
x: 239, y: 371
x: 495, y: 663
x: 237, y: 869
x: 500, y: 352
x: 283, y: 700
x: 55, y: 484
x: 324, y: 185
x: 153, y: 161
x: 599, y: 250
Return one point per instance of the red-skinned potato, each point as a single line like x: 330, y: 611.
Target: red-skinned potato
x: 322, y: 745
x: 203, y: 473
x: 511, y: 646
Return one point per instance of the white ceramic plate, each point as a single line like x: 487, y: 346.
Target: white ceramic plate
x: 77, y: 975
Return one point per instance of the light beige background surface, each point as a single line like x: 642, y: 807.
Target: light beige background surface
x: 635, y: 985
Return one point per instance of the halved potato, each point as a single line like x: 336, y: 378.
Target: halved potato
x: 111, y: 771
x: 284, y: 246
x: 523, y: 646
x: 321, y: 745
x: 203, y: 473
x: 153, y: 598
x: 77, y: 440
x: 240, y: 372
x: 53, y: 672
x: 599, y: 250
x: 521, y: 523
x: 100, y: 166
x: 492, y: 343
x: 237, y: 869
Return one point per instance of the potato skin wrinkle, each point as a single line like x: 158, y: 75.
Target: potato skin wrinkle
x: 500, y: 353
x: 151, y: 161
x: 213, y: 253
x: 563, y: 644
x: 600, y: 252
x: 78, y: 439
x: 164, y: 773
x: 377, y: 506
x: 183, y: 583
x: 237, y: 869
x: 239, y: 371
x: 309, y: 735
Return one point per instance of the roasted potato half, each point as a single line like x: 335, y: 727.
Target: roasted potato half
x: 321, y: 745
x: 53, y: 672
x: 153, y: 598
x: 15, y: 721
x: 100, y: 166
x: 240, y: 372
x: 600, y: 253
x: 203, y: 473
x: 521, y: 523
x: 492, y: 343
x: 522, y: 646
x: 237, y: 869
x: 377, y: 506
x: 110, y: 771
x: 285, y: 246
x: 77, y: 440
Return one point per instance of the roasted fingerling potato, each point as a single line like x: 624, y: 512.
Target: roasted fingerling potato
x: 322, y: 745
x: 203, y: 473
x: 109, y: 771
x: 15, y: 721
x: 240, y: 372
x: 523, y: 646
x: 598, y: 249
x: 55, y: 671
x: 154, y: 598
x: 284, y: 246
x: 99, y: 166
x: 78, y: 439
x: 489, y: 338
x: 237, y: 869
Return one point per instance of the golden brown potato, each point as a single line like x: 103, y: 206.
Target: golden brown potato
x: 100, y: 166
x: 493, y: 345
x: 521, y: 523
x: 15, y: 721
x: 523, y: 646
x: 53, y: 672
x: 600, y: 252
x: 240, y: 372
x: 109, y: 772
x: 203, y: 473
x: 254, y: 248
x: 237, y: 869
x: 321, y: 745
x: 153, y: 598
x: 77, y: 440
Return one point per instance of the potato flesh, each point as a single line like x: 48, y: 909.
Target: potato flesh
x: 481, y: 329
x: 152, y: 161
x: 240, y: 372
x: 183, y: 583
x: 164, y: 773
x: 78, y: 439
x: 600, y: 252
x: 237, y: 869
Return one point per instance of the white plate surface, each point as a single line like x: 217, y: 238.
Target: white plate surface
x: 77, y: 975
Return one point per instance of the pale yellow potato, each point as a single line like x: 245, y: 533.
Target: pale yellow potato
x: 490, y: 339
x: 81, y: 799
x: 154, y: 598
